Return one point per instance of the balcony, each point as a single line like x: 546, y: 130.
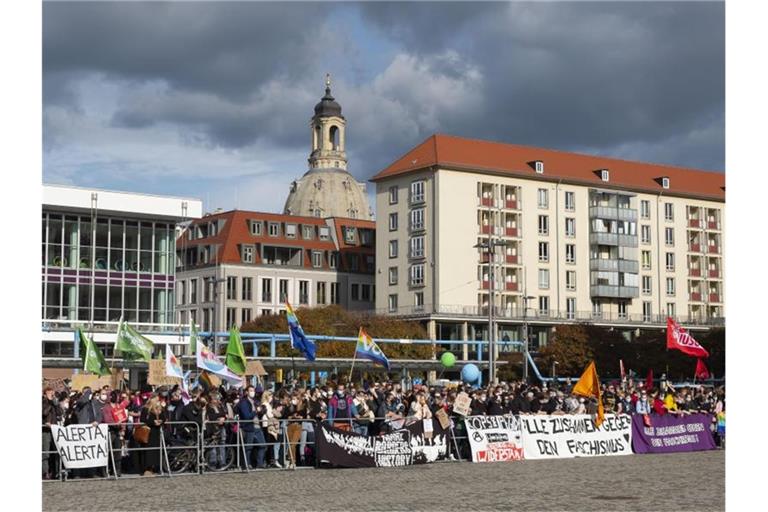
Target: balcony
x: 614, y: 265
x: 617, y: 292
x: 714, y: 273
x: 694, y: 223
x: 486, y: 201
x: 511, y: 232
x: 694, y: 272
x: 486, y: 230
x: 694, y: 247
x: 695, y: 296
x: 614, y: 239
x: 613, y: 213
x: 511, y: 287
x: 714, y: 297
x: 486, y: 285
x: 713, y: 249
x: 713, y: 224
x: 513, y: 259
x: 511, y: 204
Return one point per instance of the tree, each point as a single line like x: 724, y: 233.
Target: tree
x: 570, y: 347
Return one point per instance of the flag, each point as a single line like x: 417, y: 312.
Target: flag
x: 701, y: 370
x: 192, y: 336
x: 131, y: 343
x: 172, y: 365
x: 368, y: 349
x: 298, y: 340
x: 235, y: 354
x: 207, y: 360
x: 621, y: 369
x: 185, y: 396
x: 679, y: 339
x: 93, y: 359
x: 649, y: 381
x: 589, y: 386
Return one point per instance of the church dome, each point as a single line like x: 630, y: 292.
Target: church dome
x: 327, y: 106
x: 328, y: 192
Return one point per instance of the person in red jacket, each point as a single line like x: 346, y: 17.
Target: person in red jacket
x: 115, y: 414
x: 658, y: 405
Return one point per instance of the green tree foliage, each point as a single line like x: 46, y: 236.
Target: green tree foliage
x: 570, y: 347
x: 335, y: 321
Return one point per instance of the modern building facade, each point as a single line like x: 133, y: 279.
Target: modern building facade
x: 328, y: 189
x: 234, y: 266
x: 107, y: 255
x: 577, y: 238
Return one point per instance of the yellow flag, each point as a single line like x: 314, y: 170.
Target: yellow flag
x: 589, y: 386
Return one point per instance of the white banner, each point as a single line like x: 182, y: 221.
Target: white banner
x: 552, y: 437
x: 494, y: 438
x: 82, y: 446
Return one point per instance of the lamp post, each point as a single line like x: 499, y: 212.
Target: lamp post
x: 526, y: 298
x: 490, y: 247
x: 215, y: 282
x: 554, y: 374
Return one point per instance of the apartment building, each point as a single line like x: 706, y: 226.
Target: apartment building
x: 234, y: 266
x: 577, y: 238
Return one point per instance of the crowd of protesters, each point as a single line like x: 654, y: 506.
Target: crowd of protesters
x: 277, y: 428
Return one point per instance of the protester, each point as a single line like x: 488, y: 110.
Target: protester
x: 153, y: 416
x: 251, y: 411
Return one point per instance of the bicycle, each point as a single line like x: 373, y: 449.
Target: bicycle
x: 212, y: 445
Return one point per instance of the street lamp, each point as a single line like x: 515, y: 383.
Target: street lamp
x: 215, y: 282
x: 526, y: 298
x: 490, y: 247
x: 554, y: 374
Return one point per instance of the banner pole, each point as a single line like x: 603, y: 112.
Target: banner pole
x: 111, y: 455
x: 354, y: 358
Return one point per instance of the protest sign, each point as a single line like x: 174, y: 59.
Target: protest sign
x: 157, y: 375
x: 443, y: 418
x: 82, y: 446
x: 670, y: 433
x: 494, y: 438
x: 56, y: 384
x: 78, y: 381
x: 461, y: 404
x: 255, y: 368
x: 550, y: 437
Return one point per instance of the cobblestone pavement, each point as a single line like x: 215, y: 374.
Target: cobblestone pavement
x: 674, y: 482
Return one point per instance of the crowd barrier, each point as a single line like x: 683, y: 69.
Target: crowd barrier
x: 224, y: 446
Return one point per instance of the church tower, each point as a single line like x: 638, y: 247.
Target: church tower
x: 327, y: 189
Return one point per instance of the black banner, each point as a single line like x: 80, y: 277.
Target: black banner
x: 404, y: 447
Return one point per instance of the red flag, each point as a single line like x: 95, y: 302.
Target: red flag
x: 701, y: 370
x: 649, y: 381
x: 679, y: 339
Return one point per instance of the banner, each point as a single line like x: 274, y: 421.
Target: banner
x: 404, y: 447
x: 670, y: 433
x: 82, y: 446
x: 207, y: 360
x: 494, y: 438
x: 552, y: 437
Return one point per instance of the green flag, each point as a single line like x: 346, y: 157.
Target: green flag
x: 93, y: 359
x: 192, y: 336
x: 235, y: 354
x: 132, y: 344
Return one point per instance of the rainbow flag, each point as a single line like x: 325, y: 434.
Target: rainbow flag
x: 299, y: 341
x: 368, y: 349
x: 172, y: 365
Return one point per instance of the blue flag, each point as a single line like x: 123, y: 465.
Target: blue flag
x: 299, y: 341
x: 368, y: 349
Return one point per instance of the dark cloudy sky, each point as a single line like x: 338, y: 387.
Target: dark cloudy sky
x: 213, y: 100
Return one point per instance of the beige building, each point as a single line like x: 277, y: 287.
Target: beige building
x: 584, y: 238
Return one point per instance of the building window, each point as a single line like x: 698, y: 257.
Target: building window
x: 418, y: 301
x: 669, y: 236
x: 266, y: 312
x: 646, y: 285
x: 274, y: 229
x: 670, y: 258
x: 544, y: 251
x: 570, y: 308
x: 417, y: 219
x: 543, y: 198
x: 646, y: 258
x: 417, y: 191
x: 570, y: 227
x: 570, y: 201
x: 247, y: 288
x: 669, y: 211
x: 647, y: 311
x: 671, y: 309
x: 182, y: 293
x: 570, y: 280
x: 317, y: 259
x: 256, y: 227
x: 208, y: 290
x: 365, y: 293
x: 304, y: 292
x: 393, y: 195
x: 543, y: 225
x: 290, y: 231
x: 543, y: 279
x: 335, y: 298
x: 349, y: 235
x: 206, y: 319
x: 392, y: 303
x: 247, y: 254
x: 393, y: 248
x: 645, y: 209
x: 308, y: 232
x: 417, y: 247
x: 393, y: 275
x: 622, y: 309
x: 543, y: 305
x: 266, y: 290
x: 597, y: 309
x: 645, y: 234
x: 670, y: 286
x: 539, y: 166
x: 325, y: 233
x: 664, y: 182
x: 354, y: 262
x: 231, y: 317
x: 570, y: 253
x: 393, y: 221
x: 604, y: 175
x: 320, y: 292
x: 283, y: 290
x: 231, y: 288
x: 333, y: 259
x: 193, y: 291
x: 417, y: 275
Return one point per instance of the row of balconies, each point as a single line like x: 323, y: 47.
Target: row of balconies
x: 505, y: 204
x: 612, y: 213
x: 700, y: 224
x: 697, y: 297
x: 614, y: 265
x: 509, y: 286
x: 614, y: 239
x: 500, y: 231
x: 696, y: 272
x: 711, y: 249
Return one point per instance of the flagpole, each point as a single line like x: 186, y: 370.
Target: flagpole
x: 349, y: 380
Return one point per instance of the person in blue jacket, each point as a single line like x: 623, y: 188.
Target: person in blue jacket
x: 341, y: 409
x: 250, y: 411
